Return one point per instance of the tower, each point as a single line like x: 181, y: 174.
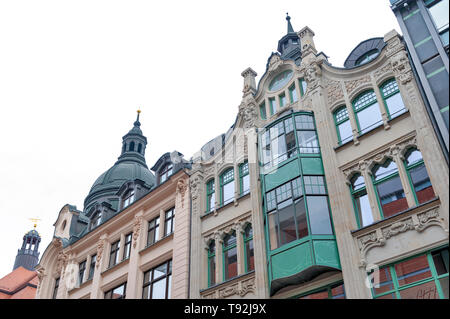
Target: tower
x: 28, y: 254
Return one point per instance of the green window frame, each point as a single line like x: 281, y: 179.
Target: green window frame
x: 303, y: 86
x: 402, y: 279
x: 283, y: 100
x: 212, y: 263
x: 227, y: 186
x: 331, y: 291
x: 415, y: 168
x: 273, y: 105
x: 392, y: 98
x: 229, y: 256
x: 363, y: 104
x: 293, y: 93
x: 342, y: 122
x: 388, y: 181
x: 244, y: 178
x: 210, y: 195
x: 262, y: 111
x: 249, y: 249
x: 358, y: 191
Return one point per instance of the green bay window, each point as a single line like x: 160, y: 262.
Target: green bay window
x: 227, y: 186
x: 343, y: 126
x: 248, y: 249
x: 306, y: 134
x: 420, y: 277
x: 418, y: 176
x: 361, y: 202
x: 392, y: 98
x: 367, y: 111
x: 210, y: 195
x: 244, y: 178
x: 211, y: 263
x: 229, y: 256
x: 389, y: 189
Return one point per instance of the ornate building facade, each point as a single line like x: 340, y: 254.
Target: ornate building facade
x: 330, y: 184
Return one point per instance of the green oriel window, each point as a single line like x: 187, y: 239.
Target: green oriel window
x: 343, y: 126
x: 420, y: 277
x: 244, y: 178
x: 418, y: 176
x: 361, y: 202
x: 389, y: 189
x: 248, y: 249
x: 210, y: 195
x: 211, y: 264
x: 367, y: 111
x: 229, y: 256
x: 227, y: 186
x: 392, y: 98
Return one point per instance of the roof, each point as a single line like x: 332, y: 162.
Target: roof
x: 21, y: 283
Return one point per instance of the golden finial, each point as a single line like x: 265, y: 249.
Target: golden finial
x: 34, y: 220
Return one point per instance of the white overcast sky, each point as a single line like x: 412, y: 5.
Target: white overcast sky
x: 73, y: 74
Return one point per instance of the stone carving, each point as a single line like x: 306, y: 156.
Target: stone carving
x: 402, y: 68
x: 394, y: 45
x: 137, y: 224
x: 181, y: 189
x: 387, y: 68
x: 194, y: 185
x: 100, y: 245
x: 274, y: 62
x: 334, y: 91
x: 351, y: 86
x: 248, y: 114
x: 61, y: 261
x: 240, y: 288
x: 312, y: 75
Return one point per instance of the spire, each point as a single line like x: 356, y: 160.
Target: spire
x: 133, y: 144
x: 290, y: 29
x: 28, y: 254
x: 137, y: 123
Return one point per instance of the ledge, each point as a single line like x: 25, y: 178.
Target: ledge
x: 83, y: 284
x: 227, y: 282
x: 220, y: 208
x: 156, y: 244
x: 387, y: 221
x: 116, y: 266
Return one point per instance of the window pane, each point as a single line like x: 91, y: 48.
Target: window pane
x: 364, y: 99
x: 159, y: 271
x: 283, y: 192
x: 427, y: 290
x: 338, y: 292
x: 345, y: 131
x: 440, y: 259
x: 317, y: 295
x: 300, y: 214
x: 212, y: 271
x: 384, y: 279
x: 212, y: 201
x: 273, y: 231
x: 245, y: 184
x: 392, y: 197
x: 439, y: 14
x: 319, y: 216
x: 395, y: 105
x: 388, y: 168
x: 421, y: 183
x: 304, y: 122
x: 282, y: 100
x: 364, y: 210
x: 278, y: 146
x: 287, y: 222
x: 307, y: 141
x: 228, y: 193
x: 388, y: 296
x: 358, y: 182
x: 159, y: 289
x: 230, y: 263
x: 412, y: 270
x: 293, y: 94
x: 314, y: 184
x: 444, y: 286
x: 250, y: 255
x: 413, y: 157
x: 271, y: 201
x: 369, y: 118
x: 297, y: 189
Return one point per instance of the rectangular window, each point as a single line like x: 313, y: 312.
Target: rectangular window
x: 244, y: 178
x: 114, y: 255
x: 212, y: 264
x: 369, y: 118
x: 169, y: 220
x: 153, y: 231
x: 262, y: 111
x: 363, y: 208
x: 343, y: 126
x: 282, y: 100
x: 439, y: 14
x: 227, y: 186
x: 92, y: 266
x: 127, y: 246
x: 230, y: 256
x: 420, y: 277
x: 248, y: 246
x: 303, y: 87
x: 319, y: 215
x: 210, y: 196
x: 314, y: 184
x: 117, y: 293
x: 81, y: 270
x: 392, y: 197
x: 293, y: 93
x: 421, y: 183
x: 273, y: 105
x: 157, y: 282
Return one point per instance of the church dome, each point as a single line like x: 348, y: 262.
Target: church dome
x: 129, y: 166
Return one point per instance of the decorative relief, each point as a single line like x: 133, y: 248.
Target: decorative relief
x: 334, y: 91
x: 418, y: 222
x: 100, y: 245
x: 274, y: 62
x: 181, y: 189
x: 402, y: 68
x: 194, y: 184
x: 248, y: 114
x: 313, y: 75
x: 350, y: 86
x: 394, y: 45
x: 240, y: 288
x: 137, y: 224
x: 380, y: 72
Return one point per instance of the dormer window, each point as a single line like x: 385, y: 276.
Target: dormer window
x: 96, y: 219
x: 165, y: 173
x: 128, y: 198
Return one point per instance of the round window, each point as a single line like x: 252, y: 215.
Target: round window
x: 280, y: 80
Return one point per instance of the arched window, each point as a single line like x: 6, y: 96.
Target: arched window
x: 165, y: 173
x: 211, y: 263
x: 128, y: 198
x: 367, y: 111
x: 389, y: 189
x: 227, y: 186
x: 248, y: 248
x: 343, y: 126
x: 210, y: 195
x: 392, y: 98
x: 139, y: 148
x: 131, y: 147
x: 369, y: 56
x: 244, y: 178
x: 230, y: 256
x: 418, y: 176
x: 361, y: 202
x: 124, y: 148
